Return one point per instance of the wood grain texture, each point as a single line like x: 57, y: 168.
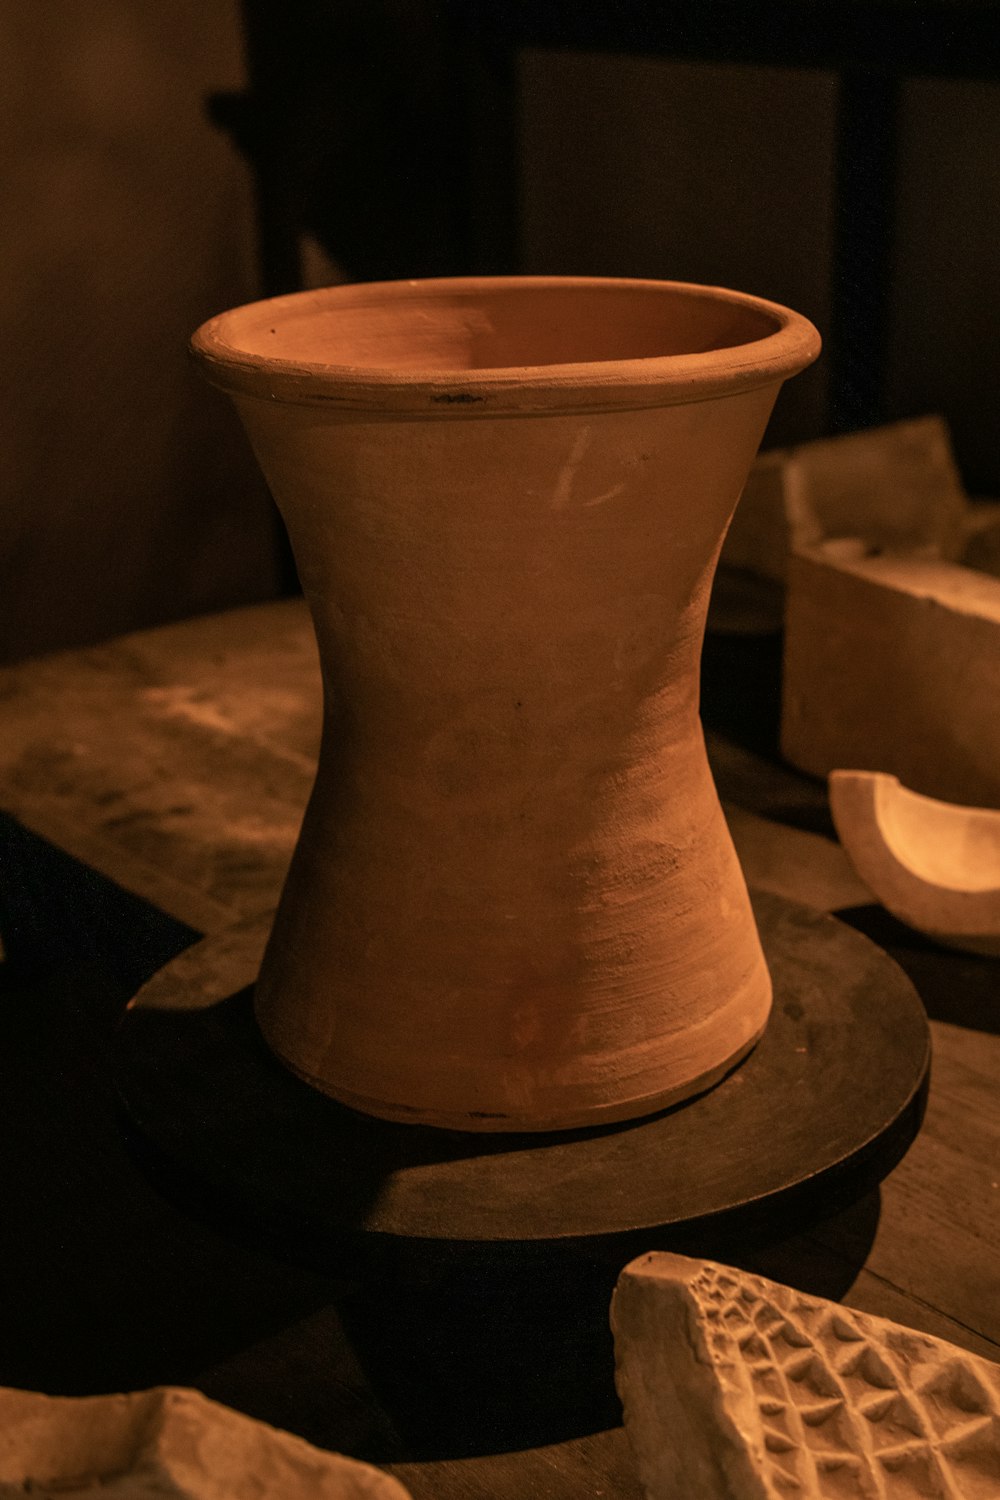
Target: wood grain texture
x: 177, y: 761
x: 80, y: 736
x: 597, y: 1467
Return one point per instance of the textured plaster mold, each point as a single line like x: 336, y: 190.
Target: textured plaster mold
x: 737, y: 1388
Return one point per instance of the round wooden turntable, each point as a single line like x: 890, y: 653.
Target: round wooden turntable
x: 820, y: 1111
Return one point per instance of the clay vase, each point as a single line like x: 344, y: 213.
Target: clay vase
x: 514, y: 903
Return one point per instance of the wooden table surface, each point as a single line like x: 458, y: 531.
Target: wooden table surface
x: 154, y: 787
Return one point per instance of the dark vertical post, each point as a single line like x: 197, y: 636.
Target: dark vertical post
x: 271, y: 58
x: 258, y: 122
x: 484, y: 69
x: 857, y: 347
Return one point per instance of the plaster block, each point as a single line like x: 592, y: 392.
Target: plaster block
x: 896, y: 487
x: 166, y: 1444
x: 893, y: 664
x: 758, y: 539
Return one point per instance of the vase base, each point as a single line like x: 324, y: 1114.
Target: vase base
x: 479, y: 1122
x: 820, y: 1110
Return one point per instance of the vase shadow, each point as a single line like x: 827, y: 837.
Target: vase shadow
x: 956, y: 987
x: 226, y: 1126
x: 492, y: 1356
x: 222, y: 1126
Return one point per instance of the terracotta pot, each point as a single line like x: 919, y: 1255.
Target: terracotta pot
x: 514, y: 903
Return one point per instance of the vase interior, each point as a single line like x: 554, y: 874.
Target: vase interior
x: 450, y: 326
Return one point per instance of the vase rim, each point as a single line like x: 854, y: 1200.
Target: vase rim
x: 475, y: 346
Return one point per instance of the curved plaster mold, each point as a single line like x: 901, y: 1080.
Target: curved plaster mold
x: 935, y: 865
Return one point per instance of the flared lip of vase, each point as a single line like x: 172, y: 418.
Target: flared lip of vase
x: 477, y: 346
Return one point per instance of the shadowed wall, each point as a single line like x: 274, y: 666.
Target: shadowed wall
x: 129, y: 496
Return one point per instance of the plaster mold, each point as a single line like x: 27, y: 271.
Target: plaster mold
x: 934, y: 865
x: 893, y: 664
x: 896, y: 488
x: 166, y: 1444
x: 737, y: 1388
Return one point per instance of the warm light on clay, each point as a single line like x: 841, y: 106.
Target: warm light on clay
x: 933, y: 864
x: 514, y: 904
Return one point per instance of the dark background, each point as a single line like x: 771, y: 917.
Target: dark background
x: 163, y: 162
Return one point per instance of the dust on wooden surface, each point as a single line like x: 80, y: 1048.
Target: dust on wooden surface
x: 178, y: 762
